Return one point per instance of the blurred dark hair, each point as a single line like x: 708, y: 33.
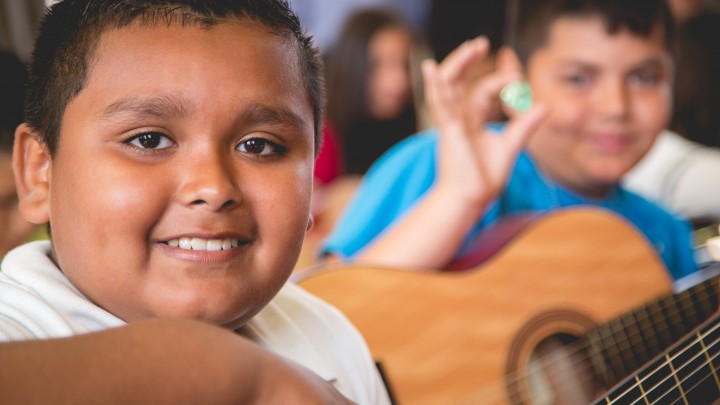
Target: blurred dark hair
x: 348, y: 66
x: 531, y: 20
x: 70, y: 30
x: 453, y: 22
x: 13, y: 80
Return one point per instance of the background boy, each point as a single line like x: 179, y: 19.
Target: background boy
x: 170, y: 146
x: 601, y: 72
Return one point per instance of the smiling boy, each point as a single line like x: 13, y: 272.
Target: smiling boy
x: 601, y: 76
x: 170, y: 147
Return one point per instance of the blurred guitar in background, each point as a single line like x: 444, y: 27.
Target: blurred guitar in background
x: 557, y: 309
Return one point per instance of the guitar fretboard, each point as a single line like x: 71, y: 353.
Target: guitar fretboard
x: 618, y: 348
x: 686, y: 374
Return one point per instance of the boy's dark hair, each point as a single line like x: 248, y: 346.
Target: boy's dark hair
x: 69, y: 33
x: 13, y: 79
x: 530, y: 20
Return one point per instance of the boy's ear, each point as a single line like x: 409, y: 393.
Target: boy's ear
x: 311, y: 222
x: 32, y: 165
x: 507, y: 61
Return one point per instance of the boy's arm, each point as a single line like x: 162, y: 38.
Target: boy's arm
x: 157, y: 361
x: 473, y: 164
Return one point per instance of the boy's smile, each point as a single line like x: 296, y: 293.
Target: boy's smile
x: 182, y: 180
x: 609, y: 97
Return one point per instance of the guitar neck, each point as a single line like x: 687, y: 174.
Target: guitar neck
x: 623, y: 345
x: 685, y: 374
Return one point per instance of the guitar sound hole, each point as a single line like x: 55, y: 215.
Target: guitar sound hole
x: 560, y: 373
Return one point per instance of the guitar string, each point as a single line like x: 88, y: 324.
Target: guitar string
x: 678, y: 383
x: 702, y: 380
x: 667, y: 362
x: 692, y: 373
x: 583, y: 363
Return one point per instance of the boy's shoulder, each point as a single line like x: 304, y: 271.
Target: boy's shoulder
x: 642, y: 205
x: 37, y: 301
x: 302, y: 327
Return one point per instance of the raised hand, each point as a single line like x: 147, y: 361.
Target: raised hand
x: 473, y: 162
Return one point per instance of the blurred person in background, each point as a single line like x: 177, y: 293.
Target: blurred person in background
x: 370, y: 107
x: 370, y: 96
x: 13, y: 77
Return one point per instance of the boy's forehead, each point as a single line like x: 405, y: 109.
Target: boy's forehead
x: 243, y: 36
x: 572, y: 29
x: 242, y: 45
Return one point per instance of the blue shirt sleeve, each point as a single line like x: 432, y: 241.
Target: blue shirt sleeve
x: 392, y: 185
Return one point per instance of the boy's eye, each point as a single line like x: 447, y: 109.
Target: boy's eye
x: 260, y: 147
x: 150, y: 140
x: 577, y: 80
x: 645, y: 78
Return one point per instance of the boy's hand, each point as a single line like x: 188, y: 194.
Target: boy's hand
x: 473, y: 163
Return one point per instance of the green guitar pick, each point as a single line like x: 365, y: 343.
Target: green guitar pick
x: 517, y: 95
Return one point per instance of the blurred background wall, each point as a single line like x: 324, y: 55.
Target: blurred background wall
x: 18, y: 19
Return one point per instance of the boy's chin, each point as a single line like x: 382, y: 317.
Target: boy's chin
x: 611, y: 170
x: 225, y: 317
x: 226, y: 310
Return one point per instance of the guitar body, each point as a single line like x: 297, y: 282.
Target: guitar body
x: 459, y: 337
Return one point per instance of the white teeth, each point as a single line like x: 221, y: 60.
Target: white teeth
x: 214, y: 245
x: 198, y: 244
x: 210, y: 245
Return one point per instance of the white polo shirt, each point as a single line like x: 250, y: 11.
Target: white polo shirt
x: 38, y: 302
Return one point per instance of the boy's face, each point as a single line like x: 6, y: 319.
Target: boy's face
x: 609, y: 97
x: 189, y: 136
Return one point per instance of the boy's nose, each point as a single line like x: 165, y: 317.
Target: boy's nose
x: 209, y: 182
x: 614, y: 100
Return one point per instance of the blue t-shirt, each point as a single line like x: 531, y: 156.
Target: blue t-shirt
x: 403, y: 174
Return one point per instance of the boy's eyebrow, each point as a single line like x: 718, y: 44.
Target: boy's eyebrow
x: 650, y: 63
x: 260, y: 113
x: 156, y: 106
x: 164, y: 106
x: 653, y: 61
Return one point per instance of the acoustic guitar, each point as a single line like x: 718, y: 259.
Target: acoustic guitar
x: 481, y: 335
